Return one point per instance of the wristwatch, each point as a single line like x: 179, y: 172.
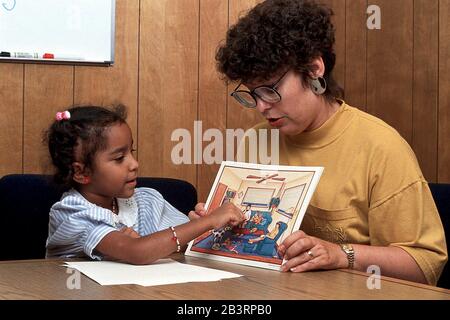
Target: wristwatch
x: 348, y: 249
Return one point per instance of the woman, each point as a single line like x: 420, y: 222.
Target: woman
x: 372, y: 205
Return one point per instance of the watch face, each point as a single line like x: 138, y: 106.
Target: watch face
x: 347, y: 247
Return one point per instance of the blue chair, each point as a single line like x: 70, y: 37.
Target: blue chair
x: 26, y: 199
x: 267, y: 247
x: 441, y: 195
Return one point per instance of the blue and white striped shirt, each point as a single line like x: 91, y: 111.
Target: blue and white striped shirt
x: 76, y: 225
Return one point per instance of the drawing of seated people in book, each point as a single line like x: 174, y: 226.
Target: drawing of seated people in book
x: 257, y: 224
x: 265, y: 224
x: 266, y: 244
x: 254, y: 240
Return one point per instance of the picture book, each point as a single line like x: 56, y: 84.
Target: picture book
x: 273, y: 199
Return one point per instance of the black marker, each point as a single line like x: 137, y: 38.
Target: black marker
x: 5, y: 54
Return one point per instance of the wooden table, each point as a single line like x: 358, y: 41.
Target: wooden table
x: 47, y: 279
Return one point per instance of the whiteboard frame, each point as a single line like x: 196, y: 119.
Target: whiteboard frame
x: 75, y: 62
x: 113, y: 32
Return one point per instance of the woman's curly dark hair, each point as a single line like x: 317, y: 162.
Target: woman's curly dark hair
x: 280, y: 35
x: 84, y: 129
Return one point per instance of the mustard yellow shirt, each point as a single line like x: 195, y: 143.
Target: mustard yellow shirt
x: 372, y: 190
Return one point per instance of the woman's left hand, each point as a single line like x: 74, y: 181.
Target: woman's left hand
x: 303, y: 253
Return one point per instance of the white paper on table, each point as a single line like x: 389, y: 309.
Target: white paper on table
x: 163, y: 271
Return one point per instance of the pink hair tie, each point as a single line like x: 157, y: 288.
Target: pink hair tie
x: 65, y: 115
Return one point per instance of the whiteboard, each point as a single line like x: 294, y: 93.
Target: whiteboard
x: 73, y: 30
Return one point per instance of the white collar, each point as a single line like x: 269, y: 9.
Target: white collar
x: 128, y: 211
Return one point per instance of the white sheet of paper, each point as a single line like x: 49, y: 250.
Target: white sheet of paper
x: 163, y: 271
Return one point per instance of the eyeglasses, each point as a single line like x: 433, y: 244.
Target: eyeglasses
x: 266, y: 93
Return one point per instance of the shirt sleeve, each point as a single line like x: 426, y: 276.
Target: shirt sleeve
x: 403, y: 213
x: 409, y: 220
x: 158, y: 214
x: 77, y: 235
x: 75, y: 229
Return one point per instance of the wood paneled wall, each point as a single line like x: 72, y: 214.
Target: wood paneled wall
x: 165, y: 74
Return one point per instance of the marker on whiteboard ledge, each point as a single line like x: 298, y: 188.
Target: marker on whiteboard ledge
x: 60, y: 56
x: 22, y: 55
x: 25, y: 55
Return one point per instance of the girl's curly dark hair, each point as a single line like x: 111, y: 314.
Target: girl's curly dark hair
x: 280, y: 35
x: 85, y: 129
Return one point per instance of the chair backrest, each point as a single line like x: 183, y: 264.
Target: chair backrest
x: 26, y: 199
x: 282, y: 227
x: 441, y: 195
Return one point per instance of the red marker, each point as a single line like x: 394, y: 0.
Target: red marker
x: 60, y: 57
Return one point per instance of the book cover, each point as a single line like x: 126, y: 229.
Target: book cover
x: 273, y: 199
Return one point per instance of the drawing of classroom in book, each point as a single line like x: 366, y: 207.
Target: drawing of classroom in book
x: 270, y: 201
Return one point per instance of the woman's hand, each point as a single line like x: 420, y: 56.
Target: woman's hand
x: 199, y: 211
x: 303, y: 253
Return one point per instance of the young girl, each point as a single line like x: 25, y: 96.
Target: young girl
x: 103, y: 215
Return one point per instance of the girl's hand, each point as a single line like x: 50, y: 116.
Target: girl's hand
x: 227, y: 214
x: 130, y: 232
x: 199, y: 211
x: 304, y: 253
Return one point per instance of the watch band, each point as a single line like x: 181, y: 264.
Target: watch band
x: 348, y: 249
